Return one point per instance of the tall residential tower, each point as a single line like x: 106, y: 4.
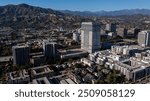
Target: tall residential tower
x: 111, y: 27
x: 90, y: 37
x: 144, y: 38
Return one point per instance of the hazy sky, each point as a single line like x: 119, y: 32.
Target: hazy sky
x: 84, y: 5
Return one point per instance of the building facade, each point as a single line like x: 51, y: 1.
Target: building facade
x: 90, y: 37
x: 76, y: 37
x: 111, y: 27
x: 50, y: 50
x: 144, y: 38
x: 122, y: 32
x: 21, y: 55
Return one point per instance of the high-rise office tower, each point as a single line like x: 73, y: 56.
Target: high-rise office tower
x: 90, y: 37
x: 21, y: 55
x: 111, y: 27
x: 76, y: 37
x: 50, y: 50
x: 144, y: 38
x: 122, y: 32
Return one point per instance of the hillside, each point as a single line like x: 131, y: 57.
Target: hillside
x: 110, y: 13
x: 26, y: 16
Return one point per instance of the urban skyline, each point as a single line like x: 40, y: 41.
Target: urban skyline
x: 46, y: 46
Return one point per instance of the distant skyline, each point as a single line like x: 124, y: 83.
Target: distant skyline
x: 84, y: 5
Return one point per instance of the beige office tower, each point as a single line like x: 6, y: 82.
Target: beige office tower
x: 144, y: 38
x: 90, y: 37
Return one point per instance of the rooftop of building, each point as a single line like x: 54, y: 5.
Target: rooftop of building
x: 21, y: 46
x: 145, y: 31
x: 5, y: 59
x: 38, y: 56
x: 67, y: 81
x: 17, y: 75
x: 48, y: 42
x: 72, y: 52
x: 41, y: 70
x: 43, y: 80
x: 89, y: 23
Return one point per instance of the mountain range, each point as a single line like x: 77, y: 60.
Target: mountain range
x: 25, y: 9
x: 27, y: 16
x: 109, y: 13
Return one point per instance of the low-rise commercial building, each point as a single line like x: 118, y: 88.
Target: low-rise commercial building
x: 42, y: 71
x: 133, y: 67
x: 18, y: 77
x: 38, y: 60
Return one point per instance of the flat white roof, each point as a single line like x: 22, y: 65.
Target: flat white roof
x: 70, y: 81
x: 5, y: 59
x: 89, y: 23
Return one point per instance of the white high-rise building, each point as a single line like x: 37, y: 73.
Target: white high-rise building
x: 111, y: 27
x: 144, y: 38
x: 90, y: 37
x: 76, y: 37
